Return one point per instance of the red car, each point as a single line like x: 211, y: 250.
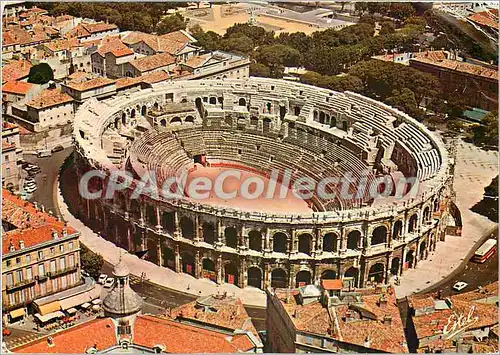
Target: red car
x: 6, y: 332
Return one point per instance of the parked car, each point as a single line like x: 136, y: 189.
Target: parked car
x: 43, y: 153
x: 57, y: 148
x: 459, y: 286
x: 102, y: 278
x: 109, y: 282
x: 85, y: 273
x: 6, y: 332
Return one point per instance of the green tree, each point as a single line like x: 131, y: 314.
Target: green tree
x: 258, y: 69
x: 387, y: 27
x: 40, y: 74
x: 91, y: 262
x: 258, y: 34
x: 405, y: 101
x: 238, y: 43
x: 487, y: 132
x: 276, y: 57
x: 171, y: 23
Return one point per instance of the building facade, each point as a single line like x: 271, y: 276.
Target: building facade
x: 12, y: 153
x: 40, y: 257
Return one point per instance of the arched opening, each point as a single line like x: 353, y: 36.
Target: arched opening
x: 254, y: 277
x: 168, y: 222
x: 322, y: 117
x: 152, y: 254
x: 163, y: 122
x: 199, y: 106
x: 168, y: 258
x: 296, y: 110
x: 266, y: 125
x: 344, y: 125
x: 333, y: 122
x: 231, y: 236
x: 409, y: 259
x: 305, y: 243
x: 231, y: 274
x: 156, y: 106
x: 282, y: 112
x: 269, y: 107
x: 379, y: 235
x: 242, y: 102
x: 255, y: 240
x: 213, y: 101
x: 208, y: 269
x: 176, y: 121
x: 395, y: 266
x: 376, y: 273
x: 208, y: 233
x: 124, y: 118
x: 187, y: 263
x: 189, y: 119
x: 328, y: 275
x: 398, y: 228
x: 330, y: 242
x: 353, y: 240
x: 151, y: 215
x: 135, y: 209
x: 132, y: 113
x: 278, y: 278
x: 302, y: 278
x: 228, y: 120
x: 423, y: 252
x: 280, y: 242
x: 427, y: 214
x: 254, y: 121
x: 137, y: 241
x: 187, y: 228
x: 143, y: 110
x: 436, y: 205
x: 315, y: 115
x: 354, y: 273
x: 412, y: 224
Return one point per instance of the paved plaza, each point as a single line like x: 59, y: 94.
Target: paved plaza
x: 474, y: 170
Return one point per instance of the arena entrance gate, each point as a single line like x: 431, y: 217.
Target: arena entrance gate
x: 208, y: 270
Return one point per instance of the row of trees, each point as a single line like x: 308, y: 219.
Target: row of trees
x: 133, y: 16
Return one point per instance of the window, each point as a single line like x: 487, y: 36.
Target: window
x: 6, y: 157
x: 19, y: 275
x: 71, y: 260
x: 52, y: 266
x: 52, y: 251
x: 71, y: 245
x: 18, y: 260
x: 61, y: 248
x: 9, y: 281
x: 7, y: 263
x: 41, y: 270
x: 40, y: 254
x: 28, y: 258
x: 29, y: 273
x: 62, y: 263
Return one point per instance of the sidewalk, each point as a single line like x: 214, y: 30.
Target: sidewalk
x: 474, y: 171
x: 162, y: 276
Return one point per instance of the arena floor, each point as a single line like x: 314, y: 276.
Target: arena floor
x: 290, y: 203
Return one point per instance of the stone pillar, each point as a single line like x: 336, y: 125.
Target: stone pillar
x: 197, y: 230
x: 342, y: 239
x: 267, y: 247
x: 141, y: 221
x: 159, y: 227
x: 218, y: 269
x: 178, y: 266
x: 389, y: 234
x: 220, y: 235
x: 402, y: 263
x: 388, y: 268
x: 291, y: 279
x: 129, y: 239
x: 143, y: 240
x: 243, y: 279
x: 266, y: 278
x: 159, y: 251
x: 177, y: 230
x: 293, y: 244
x: 197, y: 266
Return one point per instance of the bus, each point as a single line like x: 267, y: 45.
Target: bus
x: 485, y: 251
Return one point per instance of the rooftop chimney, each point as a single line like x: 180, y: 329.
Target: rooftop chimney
x: 12, y: 247
x: 367, y: 342
x: 388, y: 319
x: 382, y: 302
x: 50, y: 341
x: 64, y: 232
x: 54, y: 234
x: 21, y: 244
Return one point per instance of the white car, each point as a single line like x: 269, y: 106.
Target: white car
x: 459, y: 286
x: 109, y: 282
x: 102, y: 278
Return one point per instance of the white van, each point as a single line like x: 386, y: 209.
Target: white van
x: 43, y: 153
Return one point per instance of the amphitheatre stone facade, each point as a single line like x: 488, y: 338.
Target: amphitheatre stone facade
x: 258, y: 125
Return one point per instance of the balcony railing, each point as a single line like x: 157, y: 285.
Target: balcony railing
x: 65, y: 271
x: 20, y: 284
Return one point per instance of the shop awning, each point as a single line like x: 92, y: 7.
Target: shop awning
x: 49, y: 316
x: 17, y: 313
x: 49, y: 308
x: 96, y: 301
x: 79, y: 299
x: 71, y: 310
x: 85, y: 305
x: 96, y: 307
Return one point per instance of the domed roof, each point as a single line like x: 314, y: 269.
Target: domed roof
x: 121, y: 270
x: 122, y: 301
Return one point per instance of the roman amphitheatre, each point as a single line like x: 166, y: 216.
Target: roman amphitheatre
x: 256, y: 126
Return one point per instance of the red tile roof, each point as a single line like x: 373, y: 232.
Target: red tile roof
x: 461, y: 67
x: 89, y: 84
x: 62, y: 44
x: 75, y: 340
x: 49, y: 98
x: 169, y: 43
x: 227, y: 312
x: 331, y: 284
x: 15, y: 70
x: 183, y: 338
x: 32, y: 226
x: 16, y: 87
x: 486, y: 18
x: 86, y: 29
x: 152, y: 62
x: 148, y: 78
x: 115, y: 46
